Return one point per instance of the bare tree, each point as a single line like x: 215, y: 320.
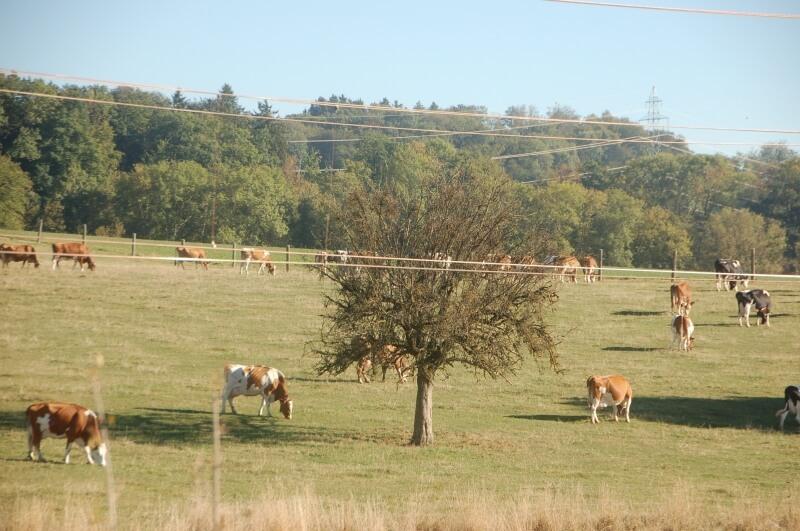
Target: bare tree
x: 488, y: 320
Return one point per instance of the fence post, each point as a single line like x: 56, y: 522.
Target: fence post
x: 674, y: 264
x: 600, y: 273
x: 753, y: 263
x: 133, y: 245
x: 217, y: 463
x: 84, y: 233
x: 287, y: 256
x: 233, y: 255
x: 39, y: 236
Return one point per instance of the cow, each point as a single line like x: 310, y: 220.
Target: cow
x: 564, y: 266
x: 339, y: 257
x: 791, y: 395
x: 729, y: 272
x: 251, y: 380
x: 18, y: 253
x: 262, y: 256
x: 612, y: 391
x: 78, y: 252
x: 762, y: 301
x: 526, y: 264
x: 195, y: 254
x: 76, y: 423
x: 681, y: 298
x: 682, y: 332
x: 386, y: 355
x: 591, y: 270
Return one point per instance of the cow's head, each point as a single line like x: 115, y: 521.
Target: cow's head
x: 99, y: 454
x: 763, y: 314
x: 90, y: 262
x: 287, y: 406
x: 271, y: 268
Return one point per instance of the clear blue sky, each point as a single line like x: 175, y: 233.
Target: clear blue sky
x: 709, y: 70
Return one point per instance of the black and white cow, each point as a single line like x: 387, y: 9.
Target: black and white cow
x: 792, y: 397
x: 729, y: 272
x: 758, y: 297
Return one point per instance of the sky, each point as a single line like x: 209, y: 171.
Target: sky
x: 708, y: 70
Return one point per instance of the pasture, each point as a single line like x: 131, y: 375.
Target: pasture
x: 702, y: 422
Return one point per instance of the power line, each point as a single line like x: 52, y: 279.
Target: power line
x: 790, y: 16
x: 368, y: 126
x: 383, y: 108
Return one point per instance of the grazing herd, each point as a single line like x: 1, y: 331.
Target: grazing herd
x: 82, y: 426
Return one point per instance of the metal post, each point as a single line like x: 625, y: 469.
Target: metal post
x: 183, y: 242
x: 753, y: 263
x: 674, y: 263
x: 600, y: 273
x: 233, y: 255
x: 39, y: 237
x: 84, y: 233
x: 287, y: 257
x: 133, y: 245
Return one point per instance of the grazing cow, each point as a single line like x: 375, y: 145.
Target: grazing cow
x: 792, y: 397
x: 591, y: 269
x: 18, y: 253
x: 762, y: 301
x: 682, y: 332
x: 78, y: 252
x: 564, y: 266
x: 680, y: 298
x: 195, y: 254
x: 385, y: 355
x: 262, y: 256
x: 729, y: 272
x: 251, y: 380
x: 76, y: 423
x: 612, y: 391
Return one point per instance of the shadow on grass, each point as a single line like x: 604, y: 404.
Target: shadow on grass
x: 716, y: 324
x: 632, y: 349
x: 639, y: 313
x: 731, y: 412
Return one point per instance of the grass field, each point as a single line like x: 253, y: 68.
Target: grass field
x: 702, y: 425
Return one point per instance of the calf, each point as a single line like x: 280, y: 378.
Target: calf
x: 681, y: 298
x: 18, y: 253
x: 762, y: 301
x: 76, y: 423
x: 78, y: 252
x: 262, y: 256
x: 612, y: 391
x: 682, y: 332
x: 196, y: 254
x: 591, y: 269
x: 251, y: 380
x: 385, y: 355
x: 791, y: 396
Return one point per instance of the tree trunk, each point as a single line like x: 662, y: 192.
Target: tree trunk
x: 423, y: 416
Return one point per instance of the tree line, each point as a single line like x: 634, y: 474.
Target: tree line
x: 250, y: 178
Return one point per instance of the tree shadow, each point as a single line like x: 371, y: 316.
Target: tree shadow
x: 716, y: 324
x: 552, y: 418
x: 631, y: 349
x: 638, y: 313
x: 730, y: 412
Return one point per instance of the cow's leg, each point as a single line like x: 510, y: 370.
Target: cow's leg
x: 262, y: 268
x: 33, y: 444
x: 267, y: 401
x: 384, y: 367
x: 628, y: 409
x: 594, y: 405
x: 782, y: 413
x: 747, y: 313
x: 615, y: 408
x: 55, y: 262
x: 66, y: 451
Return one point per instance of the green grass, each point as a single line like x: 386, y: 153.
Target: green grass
x: 704, y: 419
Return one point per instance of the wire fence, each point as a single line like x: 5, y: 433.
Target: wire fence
x: 357, y: 262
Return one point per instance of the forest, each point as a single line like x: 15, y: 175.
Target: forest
x: 211, y: 169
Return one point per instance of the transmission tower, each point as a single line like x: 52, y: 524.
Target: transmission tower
x: 654, y: 120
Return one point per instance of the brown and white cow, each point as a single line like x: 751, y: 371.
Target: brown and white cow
x: 683, y: 332
x: 680, y: 295
x: 612, y: 391
x: 252, y: 380
x: 71, y: 421
x: 18, y: 253
x: 78, y: 252
x: 261, y: 256
x: 526, y: 264
x: 563, y: 267
x: 591, y: 270
x: 194, y: 254
x: 385, y: 355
